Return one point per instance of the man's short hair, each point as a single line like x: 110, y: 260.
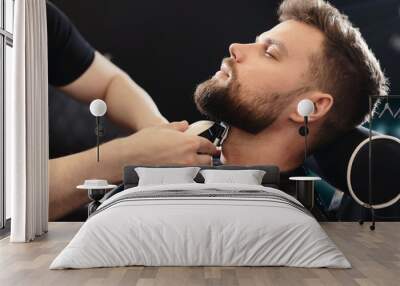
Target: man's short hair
x: 347, y: 69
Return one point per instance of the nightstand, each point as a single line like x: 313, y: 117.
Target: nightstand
x: 96, y: 190
x: 305, y: 190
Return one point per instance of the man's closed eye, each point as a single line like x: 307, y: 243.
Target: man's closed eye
x: 271, y: 52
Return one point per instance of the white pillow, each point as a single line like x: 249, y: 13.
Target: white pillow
x: 249, y: 177
x: 161, y: 176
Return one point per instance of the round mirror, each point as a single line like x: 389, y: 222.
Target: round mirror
x: 385, y: 172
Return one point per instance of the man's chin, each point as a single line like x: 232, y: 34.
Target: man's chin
x: 209, y: 97
x: 215, y: 99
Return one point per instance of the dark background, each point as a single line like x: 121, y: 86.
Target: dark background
x: 168, y: 47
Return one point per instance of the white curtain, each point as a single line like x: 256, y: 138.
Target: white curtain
x: 27, y: 123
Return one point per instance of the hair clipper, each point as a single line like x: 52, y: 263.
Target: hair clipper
x: 213, y: 131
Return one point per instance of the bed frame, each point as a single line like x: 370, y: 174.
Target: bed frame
x: 270, y: 179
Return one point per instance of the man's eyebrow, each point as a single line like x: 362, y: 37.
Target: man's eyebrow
x: 271, y: 41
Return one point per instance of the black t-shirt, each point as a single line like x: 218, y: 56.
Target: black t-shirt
x: 69, y: 54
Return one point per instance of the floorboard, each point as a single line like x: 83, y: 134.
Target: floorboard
x: 374, y: 255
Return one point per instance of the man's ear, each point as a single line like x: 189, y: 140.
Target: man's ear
x: 322, y: 104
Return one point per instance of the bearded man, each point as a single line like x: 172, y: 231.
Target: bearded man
x: 313, y: 53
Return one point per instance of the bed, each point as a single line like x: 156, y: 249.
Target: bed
x: 201, y: 223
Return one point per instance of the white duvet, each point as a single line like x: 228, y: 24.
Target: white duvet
x: 182, y: 231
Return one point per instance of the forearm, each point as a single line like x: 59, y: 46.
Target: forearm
x: 130, y: 105
x: 67, y: 172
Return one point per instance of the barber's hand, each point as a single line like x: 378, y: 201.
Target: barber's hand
x: 168, y: 144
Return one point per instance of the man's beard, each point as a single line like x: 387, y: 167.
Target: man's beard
x: 249, y: 112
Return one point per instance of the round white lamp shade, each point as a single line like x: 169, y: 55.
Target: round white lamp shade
x: 305, y: 107
x: 98, y: 107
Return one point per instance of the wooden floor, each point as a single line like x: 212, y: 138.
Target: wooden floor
x: 375, y: 257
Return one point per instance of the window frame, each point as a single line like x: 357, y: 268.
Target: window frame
x: 6, y: 39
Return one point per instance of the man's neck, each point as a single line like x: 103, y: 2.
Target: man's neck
x: 274, y: 146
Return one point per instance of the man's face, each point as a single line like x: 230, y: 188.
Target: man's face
x: 260, y: 80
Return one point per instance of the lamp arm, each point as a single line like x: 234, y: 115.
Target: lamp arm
x: 305, y: 137
x: 98, y: 137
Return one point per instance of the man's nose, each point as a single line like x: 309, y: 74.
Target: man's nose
x: 237, y: 51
